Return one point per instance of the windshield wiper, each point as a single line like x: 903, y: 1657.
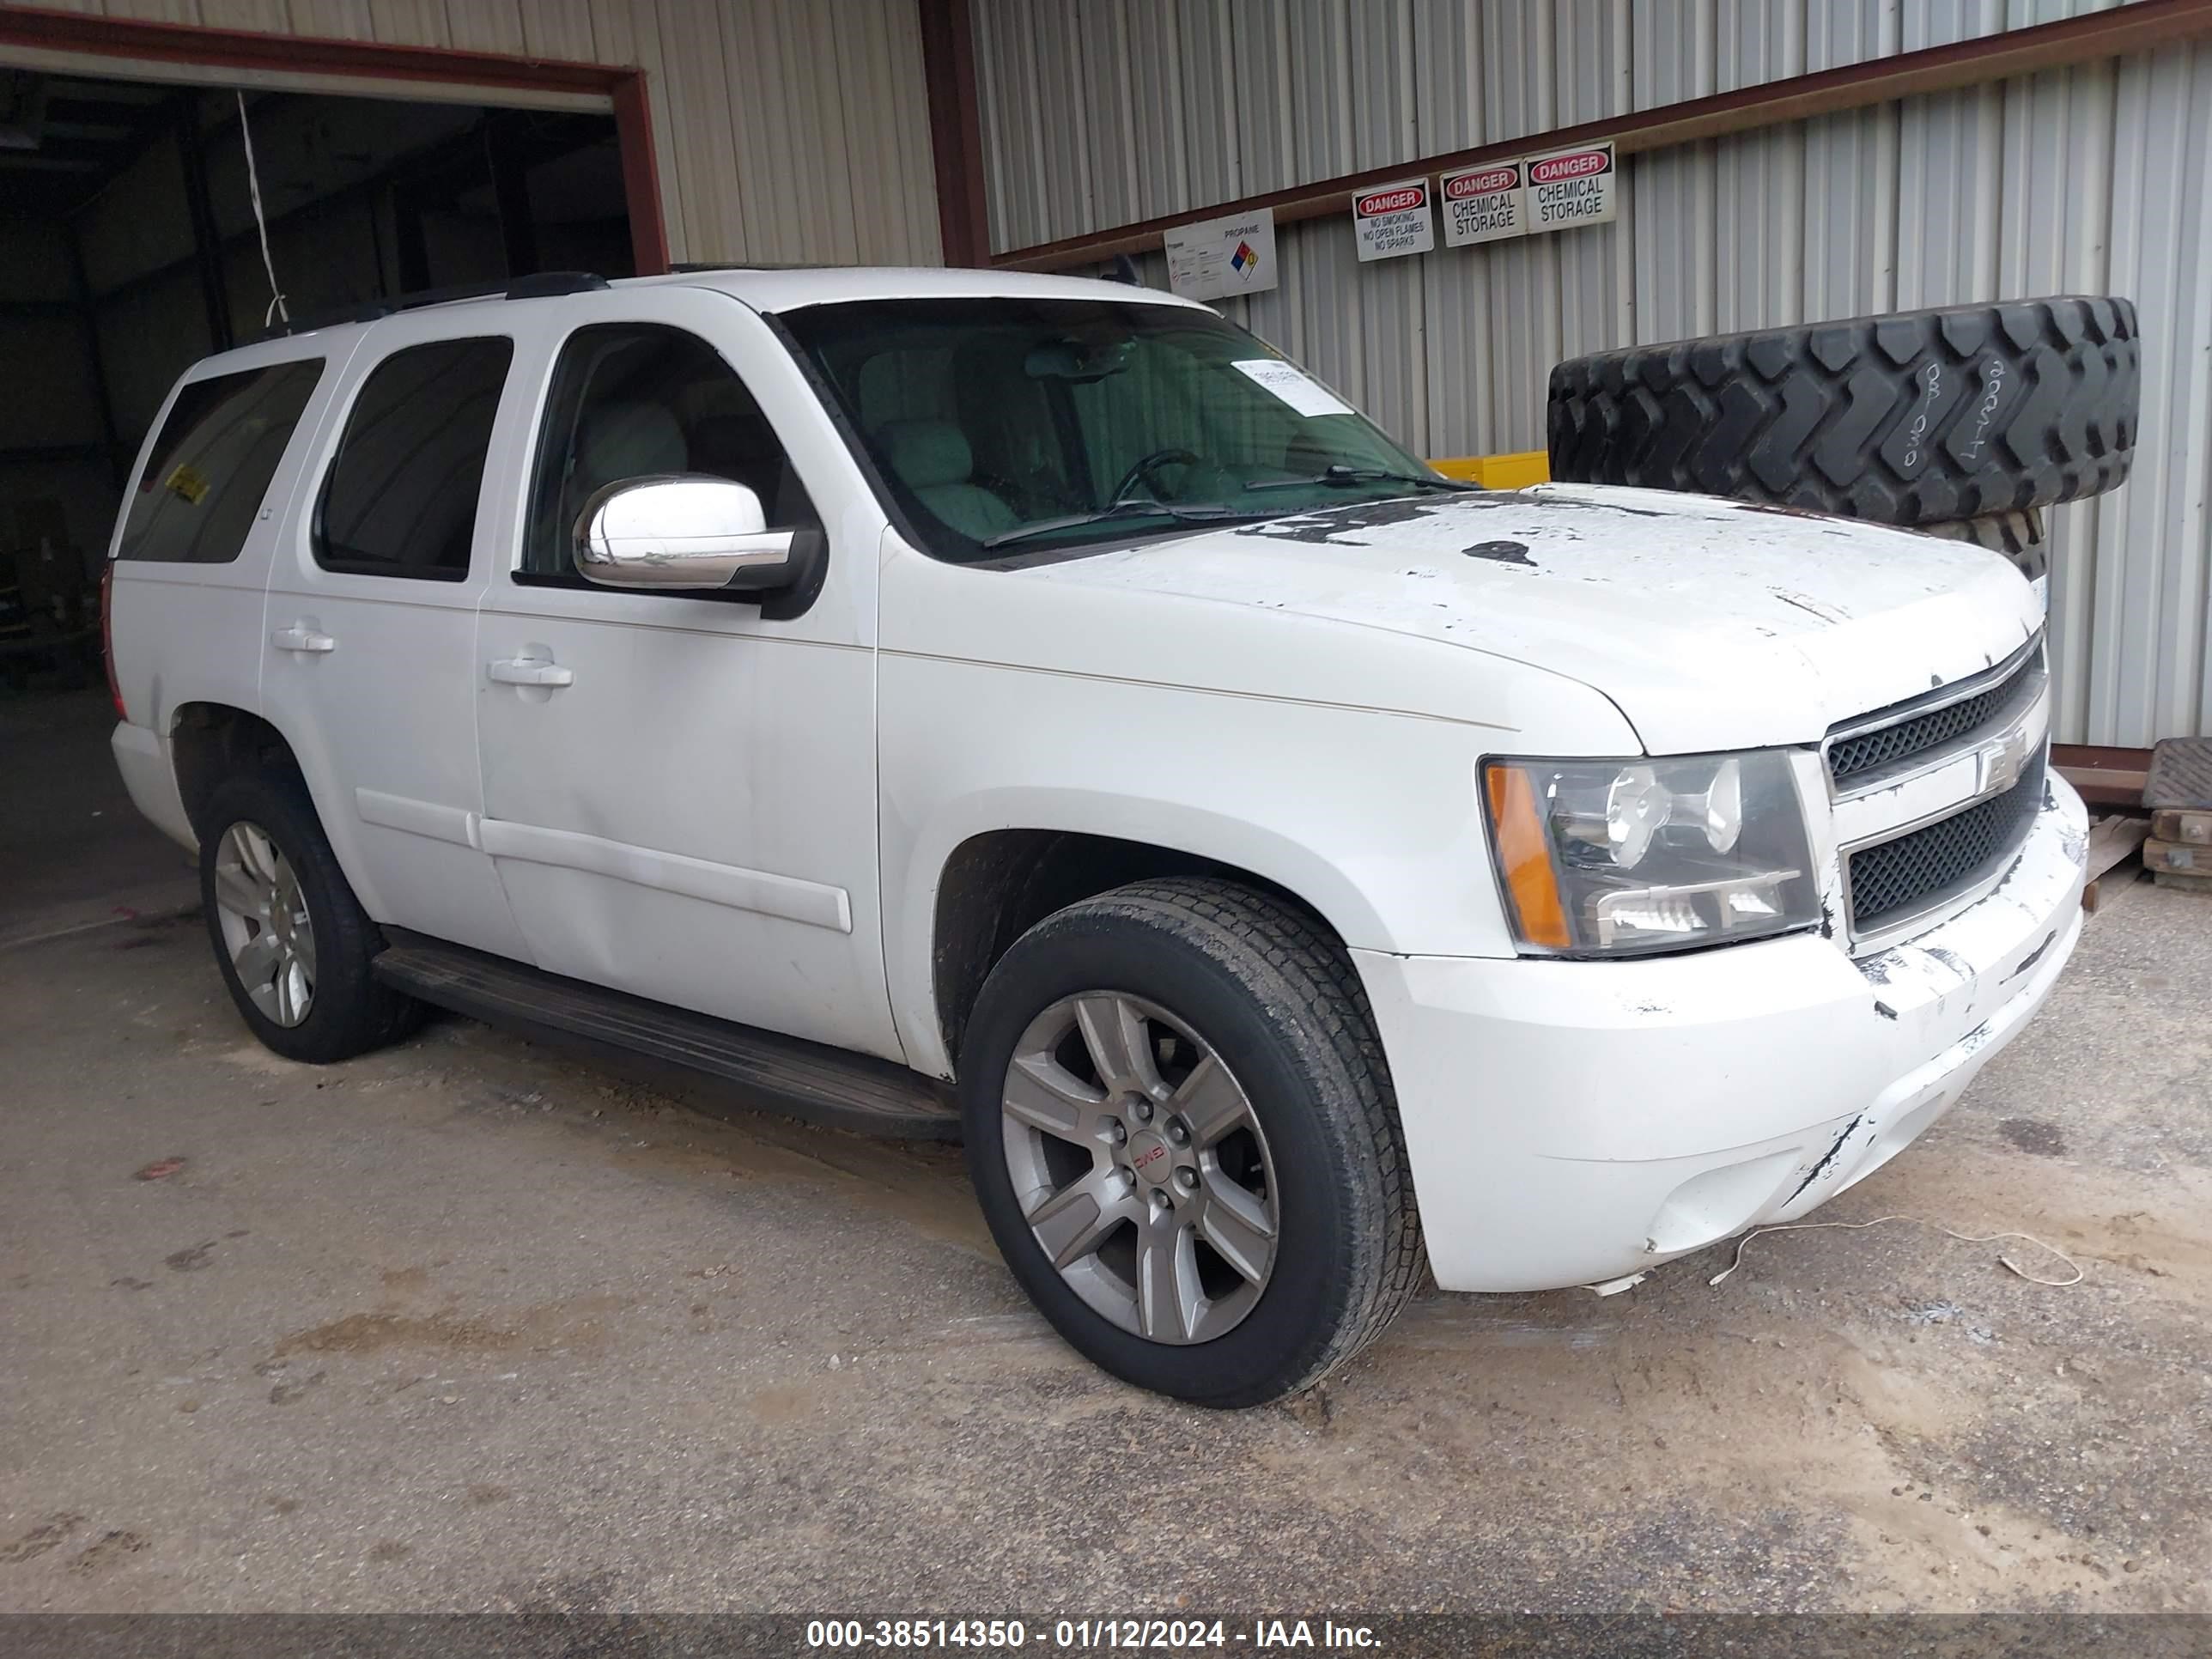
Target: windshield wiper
x: 1341, y: 474
x: 1190, y: 513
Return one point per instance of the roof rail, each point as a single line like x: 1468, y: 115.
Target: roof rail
x: 541, y: 285
x: 548, y: 284
x: 698, y: 267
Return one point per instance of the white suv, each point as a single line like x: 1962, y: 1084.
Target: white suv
x: 1032, y: 709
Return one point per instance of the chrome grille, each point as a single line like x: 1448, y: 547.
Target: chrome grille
x: 1895, y: 879
x: 1898, y: 735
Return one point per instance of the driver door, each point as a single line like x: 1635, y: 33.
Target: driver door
x: 680, y: 787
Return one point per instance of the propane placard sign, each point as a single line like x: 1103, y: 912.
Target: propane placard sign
x: 1572, y: 187
x: 1222, y: 257
x: 1483, y: 204
x: 1392, y: 221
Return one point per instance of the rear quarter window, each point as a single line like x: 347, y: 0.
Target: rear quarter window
x: 210, y: 465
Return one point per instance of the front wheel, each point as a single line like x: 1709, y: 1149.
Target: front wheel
x: 1181, y: 1127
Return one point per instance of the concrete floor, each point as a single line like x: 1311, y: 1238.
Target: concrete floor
x: 468, y: 1324
x: 78, y: 854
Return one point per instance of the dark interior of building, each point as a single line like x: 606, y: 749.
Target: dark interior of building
x: 128, y: 248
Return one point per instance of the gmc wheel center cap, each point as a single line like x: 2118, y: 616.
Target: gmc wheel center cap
x: 1149, y: 1157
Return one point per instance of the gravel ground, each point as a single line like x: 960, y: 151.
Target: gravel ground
x: 473, y: 1324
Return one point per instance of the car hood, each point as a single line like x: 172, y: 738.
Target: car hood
x: 1711, y: 624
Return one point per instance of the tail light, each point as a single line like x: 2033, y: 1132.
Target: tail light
x: 107, y: 636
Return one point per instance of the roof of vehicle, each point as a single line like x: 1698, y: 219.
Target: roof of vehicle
x: 790, y: 288
x: 768, y: 289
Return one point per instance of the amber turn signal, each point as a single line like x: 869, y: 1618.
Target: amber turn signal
x: 1524, y: 856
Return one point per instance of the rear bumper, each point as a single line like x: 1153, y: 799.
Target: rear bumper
x: 149, y: 774
x: 1571, y: 1122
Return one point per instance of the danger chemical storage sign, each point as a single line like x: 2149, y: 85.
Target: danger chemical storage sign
x: 1572, y: 187
x: 1484, y: 203
x: 1391, y: 221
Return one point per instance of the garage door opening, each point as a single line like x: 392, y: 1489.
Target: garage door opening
x: 128, y: 249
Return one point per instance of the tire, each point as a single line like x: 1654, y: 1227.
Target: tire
x: 1909, y: 419
x: 2017, y: 536
x: 1209, y: 968
x: 346, y: 1011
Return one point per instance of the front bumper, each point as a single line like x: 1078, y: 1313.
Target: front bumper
x: 1574, y: 1122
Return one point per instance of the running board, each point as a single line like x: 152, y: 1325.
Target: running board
x: 807, y: 1080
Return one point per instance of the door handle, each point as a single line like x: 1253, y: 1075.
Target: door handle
x: 531, y: 671
x: 298, y: 637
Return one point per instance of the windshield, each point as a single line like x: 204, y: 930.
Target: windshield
x: 1006, y: 426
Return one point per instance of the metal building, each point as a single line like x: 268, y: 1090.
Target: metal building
x: 1785, y: 161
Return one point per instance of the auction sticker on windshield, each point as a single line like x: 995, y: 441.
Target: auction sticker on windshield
x: 1293, y: 385
x: 1394, y: 219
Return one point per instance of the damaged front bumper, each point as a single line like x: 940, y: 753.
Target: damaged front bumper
x: 1574, y: 1122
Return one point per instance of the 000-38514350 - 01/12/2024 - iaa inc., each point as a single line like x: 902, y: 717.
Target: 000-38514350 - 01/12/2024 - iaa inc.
x: 1002, y: 1635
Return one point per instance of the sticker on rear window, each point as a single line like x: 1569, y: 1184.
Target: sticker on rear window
x: 1293, y: 385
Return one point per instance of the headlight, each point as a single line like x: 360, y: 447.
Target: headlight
x: 1622, y: 857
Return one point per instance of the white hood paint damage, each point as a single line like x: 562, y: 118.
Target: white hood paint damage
x: 1711, y: 624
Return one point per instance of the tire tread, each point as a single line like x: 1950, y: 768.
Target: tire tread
x: 1817, y: 416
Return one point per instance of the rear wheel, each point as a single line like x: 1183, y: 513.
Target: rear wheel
x: 1181, y: 1127
x: 293, y: 944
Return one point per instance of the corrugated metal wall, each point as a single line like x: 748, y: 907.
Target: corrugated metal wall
x: 2094, y: 178
x: 788, y: 131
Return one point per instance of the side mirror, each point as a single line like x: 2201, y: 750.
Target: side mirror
x: 683, y: 531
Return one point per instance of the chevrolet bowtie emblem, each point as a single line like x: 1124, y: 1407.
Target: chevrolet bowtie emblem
x: 2001, y: 761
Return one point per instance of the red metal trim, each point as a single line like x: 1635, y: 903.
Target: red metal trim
x: 2142, y: 26
x: 648, y: 225
x: 307, y: 54
x: 296, y: 54
x: 956, y: 130
x: 2105, y: 776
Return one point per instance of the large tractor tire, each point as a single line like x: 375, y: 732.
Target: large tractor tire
x: 1919, y: 418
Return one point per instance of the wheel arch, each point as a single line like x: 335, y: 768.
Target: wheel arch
x: 211, y: 741
x: 992, y: 885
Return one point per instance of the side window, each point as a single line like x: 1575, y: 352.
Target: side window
x: 400, y: 498
x: 633, y: 399
x: 211, y: 464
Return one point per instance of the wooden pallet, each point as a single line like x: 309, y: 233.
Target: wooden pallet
x: 2178, y: 790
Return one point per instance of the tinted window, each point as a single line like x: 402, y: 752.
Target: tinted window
x: 211, y: 464
x: 401, y: 496
x: 630, y: 400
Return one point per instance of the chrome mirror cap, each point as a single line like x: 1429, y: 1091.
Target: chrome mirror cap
x: 685, y: 532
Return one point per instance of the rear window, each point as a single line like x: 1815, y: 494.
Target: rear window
x: 211, y: 464
x: 401, y: 496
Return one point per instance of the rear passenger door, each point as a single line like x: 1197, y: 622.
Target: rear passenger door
x: 369, y: 631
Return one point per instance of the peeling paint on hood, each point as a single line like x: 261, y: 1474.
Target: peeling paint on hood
x: 1711, y: 624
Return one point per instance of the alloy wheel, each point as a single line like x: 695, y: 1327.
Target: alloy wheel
x: 1140, y: 1167
x: 265, y: 924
